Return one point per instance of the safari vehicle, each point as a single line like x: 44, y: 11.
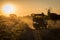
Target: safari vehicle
x: 39, y: 21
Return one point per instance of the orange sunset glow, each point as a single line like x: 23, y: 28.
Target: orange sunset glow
x: 8, y: 9
x: 29, y: 19
x: 23, y: 8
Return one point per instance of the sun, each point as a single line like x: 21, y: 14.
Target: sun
x: 8, y: 9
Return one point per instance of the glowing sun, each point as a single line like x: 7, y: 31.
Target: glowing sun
x: 8, y: 9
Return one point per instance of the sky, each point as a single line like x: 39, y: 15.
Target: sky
x: 27, y: 7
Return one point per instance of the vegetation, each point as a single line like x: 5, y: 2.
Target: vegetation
x: 14, y: 28
x: 11, y: 27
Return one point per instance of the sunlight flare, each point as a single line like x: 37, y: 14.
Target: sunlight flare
x: 8, y: 9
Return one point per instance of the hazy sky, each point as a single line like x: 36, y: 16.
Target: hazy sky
x: 25, y: 7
